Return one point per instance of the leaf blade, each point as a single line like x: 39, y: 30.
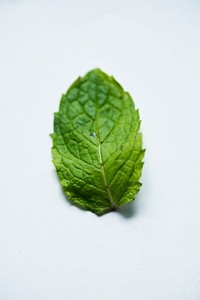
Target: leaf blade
x: 97, y: 147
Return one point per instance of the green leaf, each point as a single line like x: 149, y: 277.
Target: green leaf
x: 97, y: 147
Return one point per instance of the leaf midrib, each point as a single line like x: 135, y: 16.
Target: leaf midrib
x: 112, y: 203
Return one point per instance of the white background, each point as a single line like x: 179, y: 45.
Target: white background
x: 50, y: 249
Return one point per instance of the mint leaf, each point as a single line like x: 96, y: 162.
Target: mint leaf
x: 97, y: 147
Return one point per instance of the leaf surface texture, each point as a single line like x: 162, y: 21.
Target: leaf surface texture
x: 97, y: 146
